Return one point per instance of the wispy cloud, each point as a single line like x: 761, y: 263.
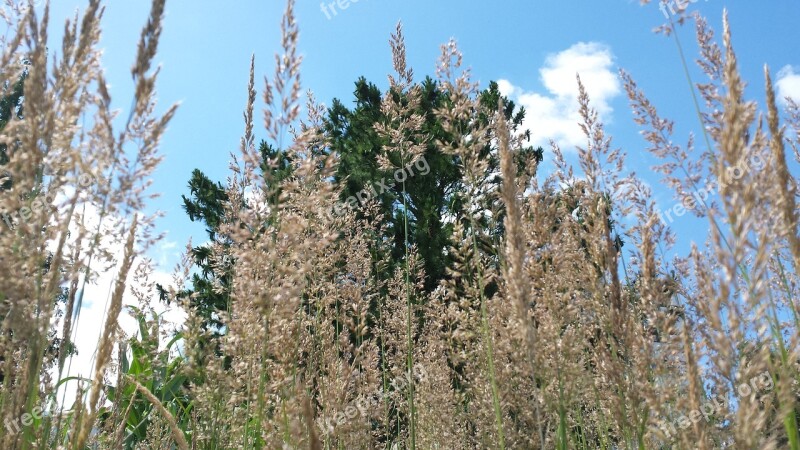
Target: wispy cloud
x: 554, y: 114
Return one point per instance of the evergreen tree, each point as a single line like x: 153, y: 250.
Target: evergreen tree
x: 431, y: 188
x: 431, y: 191
x: 206, y: 204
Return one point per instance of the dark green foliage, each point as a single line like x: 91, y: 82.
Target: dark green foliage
x: 159, y: 372
x: 206, y: 204
x: 10, y: 106
x: 11, y: 99
x: 431, y: 197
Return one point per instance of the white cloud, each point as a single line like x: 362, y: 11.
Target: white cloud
x: 92, y: 321
x: 96, y: 297
x: 788, y: 84
x: 554, y: 114
x: 506, y: 88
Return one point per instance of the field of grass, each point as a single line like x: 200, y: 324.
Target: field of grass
x: 555, y: 320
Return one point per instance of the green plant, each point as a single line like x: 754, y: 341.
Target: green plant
x: 147, y: 363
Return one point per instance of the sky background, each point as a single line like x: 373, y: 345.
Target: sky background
x: 534, y: 47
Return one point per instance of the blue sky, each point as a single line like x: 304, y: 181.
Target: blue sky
x: 534, y: 45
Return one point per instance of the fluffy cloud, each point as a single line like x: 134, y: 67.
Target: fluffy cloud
x: 788, y: 84
x: 97, y: 293
x: 554, y: 114
x: 96, y: 297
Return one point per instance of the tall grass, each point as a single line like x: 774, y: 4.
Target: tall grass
x: 571, y: 330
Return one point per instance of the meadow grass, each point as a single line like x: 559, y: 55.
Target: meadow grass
x: 553, y: 335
